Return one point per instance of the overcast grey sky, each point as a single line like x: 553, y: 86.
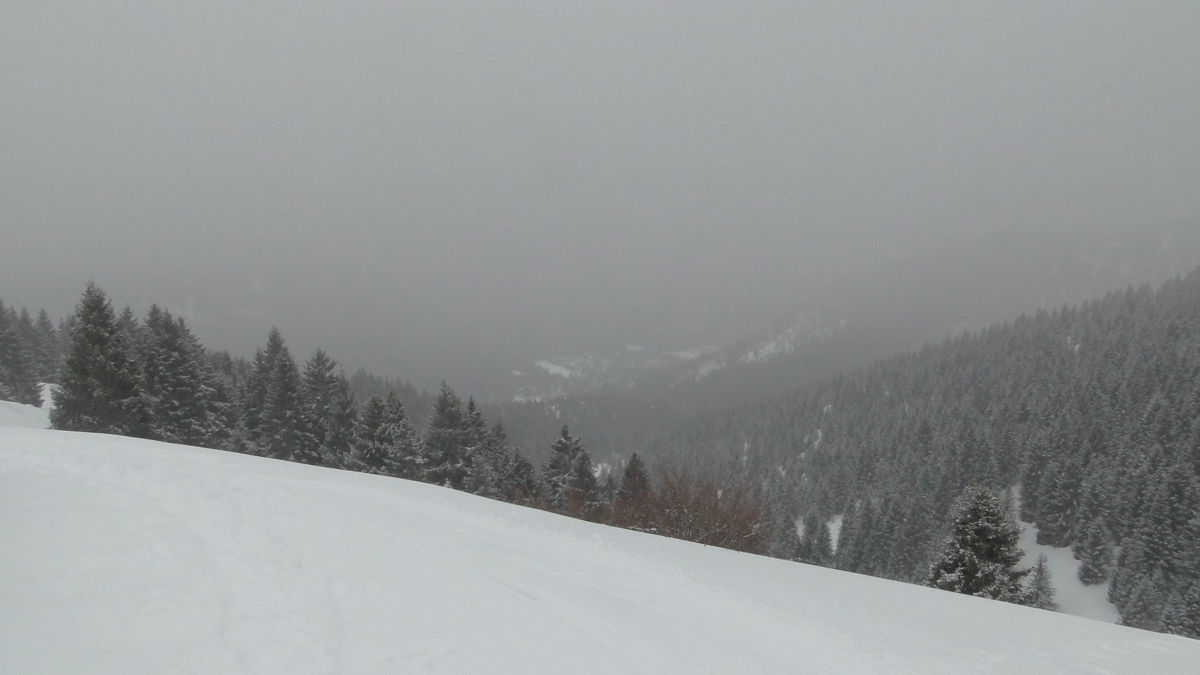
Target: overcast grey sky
x: 412, y: 184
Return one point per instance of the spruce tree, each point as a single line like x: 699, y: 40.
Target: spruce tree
x: 1182, y: 613
x: 18, y: 371
x: 558, y: 470
x: 982, y: 551
x: 633, y: 505
x: 369, y: 455
x: 1094, y: 553
x: 1040, y: 587
x: 180, y: 388
x: 445, y: 449
x: 582, y: 496
x: 401, y: 447
x: 327, y: 409
x: 99, y: 384
x: 47, y: 347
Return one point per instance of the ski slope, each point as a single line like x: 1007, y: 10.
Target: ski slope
x: 121, y: 555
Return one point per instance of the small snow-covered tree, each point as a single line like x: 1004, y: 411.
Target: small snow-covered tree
x: 1040, y: 587
x: 981, y: 553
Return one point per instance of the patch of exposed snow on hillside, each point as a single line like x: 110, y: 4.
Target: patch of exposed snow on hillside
x: 554, y: 368
x: 835, y: 530
x: 807, y: 328
x: 707, y: 368
x: 1072, y: 596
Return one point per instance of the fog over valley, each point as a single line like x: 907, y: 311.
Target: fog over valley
x: 455, y: 193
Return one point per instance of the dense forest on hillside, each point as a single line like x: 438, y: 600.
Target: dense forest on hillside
x: 1090, y: 413
x: 1087, y: 417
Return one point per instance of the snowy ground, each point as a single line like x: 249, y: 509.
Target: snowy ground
x: 123, y: 556
x: 26, y: 416
x: 1072, y: 596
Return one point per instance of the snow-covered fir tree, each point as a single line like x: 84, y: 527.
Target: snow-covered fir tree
x: 559, y: 468
x: 18, y: 364
x: 99, y: 383
x: 446, y: 458
x: 982, y: 552
x: 327, y: 408
x: 180, y: 388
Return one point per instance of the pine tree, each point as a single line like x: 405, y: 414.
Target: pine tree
x: 369, y: 455
x: 480, y: 453
x: 982, y: 551
x: 18, y: 381
x: 254, y: 394
x: 633, y: 506
x: 1094, y: 552
x: 521, y: 483
x: 401, y: 447
x: 558, y: 470
x: 1182, y: 613
x: 48, y: 348
x: 99, y: 384
x: 582, y: 496
x: 327, y: 409
x: 180, y: 387
x: 1040, y: 587
x: 445, y: 448
x: 281, y: 431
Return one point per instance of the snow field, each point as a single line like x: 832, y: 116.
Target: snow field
x: 123, y: 555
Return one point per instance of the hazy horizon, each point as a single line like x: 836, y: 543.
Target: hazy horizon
x: 427, y: 190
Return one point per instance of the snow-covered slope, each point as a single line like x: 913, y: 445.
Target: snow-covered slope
x: 133, y: 556
x: 27, y: 416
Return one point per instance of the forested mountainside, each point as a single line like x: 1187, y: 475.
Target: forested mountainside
x: 1091, y: 412
x: 921, y: 295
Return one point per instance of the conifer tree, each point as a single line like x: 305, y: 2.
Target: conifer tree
x: 275, y: 424
x: 446, y: 459
x: 254, y: 395
x: 633, y: 505
x: 520, y: 479
x: 1094, y: 553
x: 99, y: 384
x: 327, y: 409
x: 981, y: 554
x: 1182, y: 613
x: 480, y: 453
x: 582, y: 497
x: 180, y: 387
x: 559, y: 468
x: 369, y: 455
x: 399, y: 441
x: 1040, y: 587
x: 47, y: 348
x: 18, y: 380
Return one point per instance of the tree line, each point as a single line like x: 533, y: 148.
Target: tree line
x: 152, y: 378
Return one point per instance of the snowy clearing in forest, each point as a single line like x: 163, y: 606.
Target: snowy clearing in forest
x: 123, y: 555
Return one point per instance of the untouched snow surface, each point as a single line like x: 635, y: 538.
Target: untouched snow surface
x: 123, y: 555
x: 26, y: 416
x: 1071, y: 594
